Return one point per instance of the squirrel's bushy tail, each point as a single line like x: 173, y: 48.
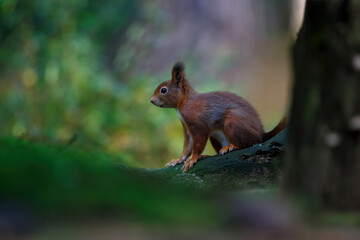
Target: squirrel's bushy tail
x: 281, y: 125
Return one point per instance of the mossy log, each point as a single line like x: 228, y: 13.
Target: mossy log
x: 257, y: 166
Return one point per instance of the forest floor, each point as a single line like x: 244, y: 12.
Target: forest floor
x: 59, y: 192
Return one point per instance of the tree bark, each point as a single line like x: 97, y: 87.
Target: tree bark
x: 254, y: 167
x: 323, y: 157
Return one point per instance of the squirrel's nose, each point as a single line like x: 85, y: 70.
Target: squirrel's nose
x: 152, y: 100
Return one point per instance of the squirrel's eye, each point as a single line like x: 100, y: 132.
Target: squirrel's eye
x: 163, y: 90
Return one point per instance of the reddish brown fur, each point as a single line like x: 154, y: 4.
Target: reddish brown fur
x: 220, y: 116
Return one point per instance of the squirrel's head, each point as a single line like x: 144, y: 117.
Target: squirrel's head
x: 168, y: 93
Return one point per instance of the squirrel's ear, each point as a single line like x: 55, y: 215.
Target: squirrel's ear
x: 177, y: 74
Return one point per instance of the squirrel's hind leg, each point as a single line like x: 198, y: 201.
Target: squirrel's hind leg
x: 216, y: 144
x: 227, y: 149
x: 240, y: 134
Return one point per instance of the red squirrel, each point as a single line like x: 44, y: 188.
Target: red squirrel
x: 227, y: 119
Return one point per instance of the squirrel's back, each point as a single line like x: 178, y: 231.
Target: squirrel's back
x: 213, y: 108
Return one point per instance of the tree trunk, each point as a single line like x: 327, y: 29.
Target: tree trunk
x: 323, y: 157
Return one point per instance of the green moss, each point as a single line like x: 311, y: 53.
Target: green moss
x: 62, y: 181
x: 65, y: 181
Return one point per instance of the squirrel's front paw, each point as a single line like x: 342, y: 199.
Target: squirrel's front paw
x: 174, y: 162
x: 188, y: 164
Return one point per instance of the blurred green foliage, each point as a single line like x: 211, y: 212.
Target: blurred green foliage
x: 65, y: 75
x: 67, y: 182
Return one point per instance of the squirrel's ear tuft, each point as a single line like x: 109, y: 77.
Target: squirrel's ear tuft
x: 177, y: 74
